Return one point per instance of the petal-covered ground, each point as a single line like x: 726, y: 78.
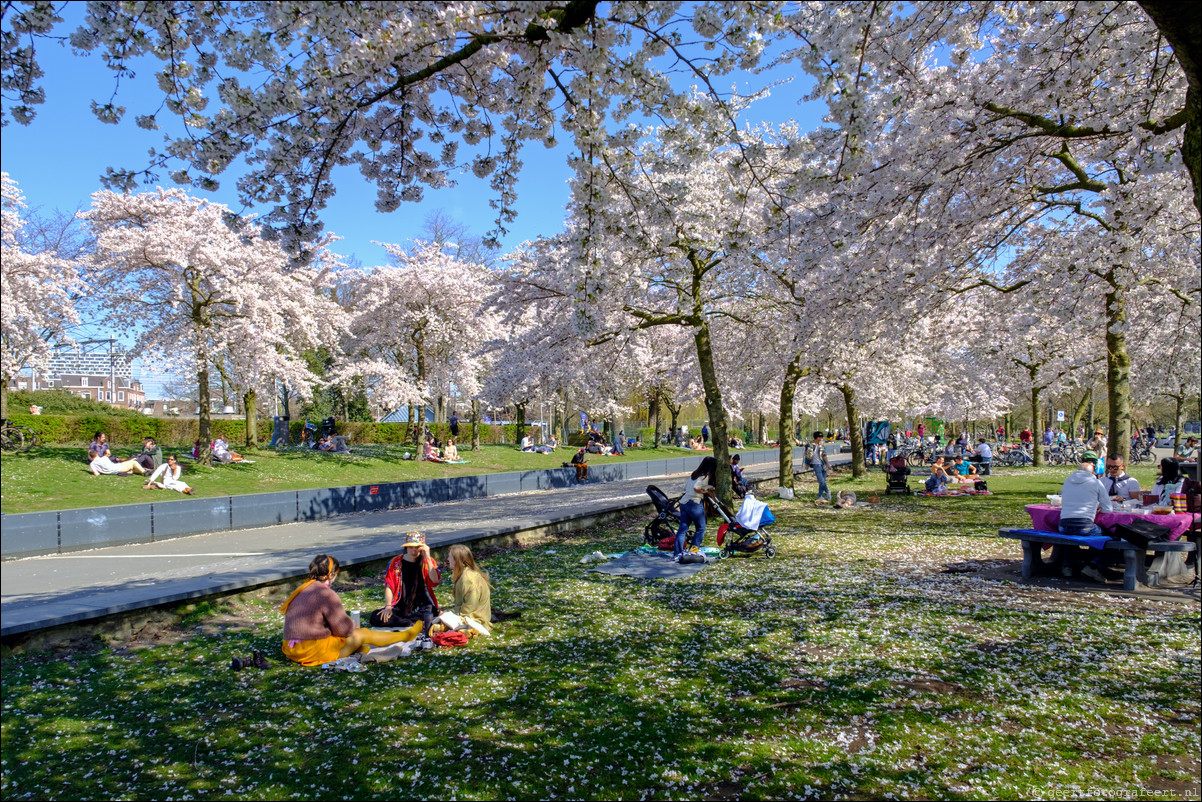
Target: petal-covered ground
x: 886, y: 652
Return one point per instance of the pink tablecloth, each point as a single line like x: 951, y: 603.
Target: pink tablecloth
x: 1046, y: 518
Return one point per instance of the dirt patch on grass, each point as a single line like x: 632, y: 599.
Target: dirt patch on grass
x: 932, y: 686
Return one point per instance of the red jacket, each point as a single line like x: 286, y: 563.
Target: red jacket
x: 392, y: 579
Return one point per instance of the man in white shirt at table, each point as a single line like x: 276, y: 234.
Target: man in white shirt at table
x: 1081, y: 496
x: 984, y: 456
x: 1119, y: 486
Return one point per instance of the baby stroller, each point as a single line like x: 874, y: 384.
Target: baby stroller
x: 897, y: 476
x: 747, y: 532
x: 661, y: 532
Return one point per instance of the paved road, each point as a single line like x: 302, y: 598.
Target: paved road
x: 40, y: 592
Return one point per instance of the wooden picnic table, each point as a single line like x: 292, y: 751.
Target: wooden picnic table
x: 1168, y: 558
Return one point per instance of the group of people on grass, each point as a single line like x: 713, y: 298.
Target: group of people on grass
x: 162, y: 474
x: 431, y: 452
x: 947, y: 474
x: 529, y: 445
x: 318, y: 630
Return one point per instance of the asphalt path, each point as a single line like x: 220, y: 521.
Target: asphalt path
x: 40, y: 592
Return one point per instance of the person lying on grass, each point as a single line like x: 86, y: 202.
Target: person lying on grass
x: 166, y: 477
x: 316, y: 627
x: 100, y: 464
x: 409, y: 586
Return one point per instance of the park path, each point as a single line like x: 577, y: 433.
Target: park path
x: 41, y: 592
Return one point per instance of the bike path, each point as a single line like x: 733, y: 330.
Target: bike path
x: 42, y: 592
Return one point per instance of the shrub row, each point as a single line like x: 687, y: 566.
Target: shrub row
x: 130, y: 431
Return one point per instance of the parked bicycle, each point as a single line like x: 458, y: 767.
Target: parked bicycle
x: 1142, y: 452
x: 17, y: 438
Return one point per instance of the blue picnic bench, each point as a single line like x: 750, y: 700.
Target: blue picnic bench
x: 1168, y: 557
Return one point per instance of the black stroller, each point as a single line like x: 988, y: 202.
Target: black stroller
x: 660, y: 533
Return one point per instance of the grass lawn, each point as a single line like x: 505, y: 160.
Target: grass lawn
x: 57, y: 477
x: 876, y: 657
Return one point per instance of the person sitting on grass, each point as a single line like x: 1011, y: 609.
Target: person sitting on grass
x: 430, y: 451
x: 166, y: 477
x: 316, y: 627
x: 450, y: 453
x: 473, y: 595
x: 222, y: 452
x: 100, y: 464
x: 100, y: 444
x: 409, y: 586
x: 527, y: 443
x: 152, y: 456
x: 937, y: 482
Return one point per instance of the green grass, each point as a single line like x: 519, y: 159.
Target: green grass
x: 57, y: 477
x: 853, y: 665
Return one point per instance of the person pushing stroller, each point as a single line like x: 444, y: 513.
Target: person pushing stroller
x: 692, y: 506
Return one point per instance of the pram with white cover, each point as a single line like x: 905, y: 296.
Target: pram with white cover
x: 747, y: 532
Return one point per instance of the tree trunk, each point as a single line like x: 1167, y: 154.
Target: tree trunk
x: 520, y: 427
x: 475, y: 425
x: 1180, y: 27
x: 204, y: 454
x: 654, y: 418
x: 4, y: 397
x: 761, y: 433
x: 853, y: 431
x: 1177, y: 420
x: 788, y: 389
x: 674, y: 412
x: 414, y: 430
x: 1118, y: 371
x: 250, y: 405
x: 1079, y: 412
x: 714, y: 408
x: 1037, y: 435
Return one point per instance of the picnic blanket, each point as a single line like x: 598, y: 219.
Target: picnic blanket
x: 953, y: 493
x: 650, y: 565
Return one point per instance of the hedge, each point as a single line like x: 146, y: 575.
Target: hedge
x: 126, y: 431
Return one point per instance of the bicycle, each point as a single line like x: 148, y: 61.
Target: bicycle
x: 17, y: 438
x: 1141, y: 452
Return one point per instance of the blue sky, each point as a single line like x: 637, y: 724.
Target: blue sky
x: 58, y: 159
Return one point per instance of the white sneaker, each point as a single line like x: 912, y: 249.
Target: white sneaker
x: 1093, y: 573
x: 423, y: 642
x: 676, y: 558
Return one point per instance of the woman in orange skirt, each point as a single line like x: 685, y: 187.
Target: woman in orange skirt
x: 316, y: 627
